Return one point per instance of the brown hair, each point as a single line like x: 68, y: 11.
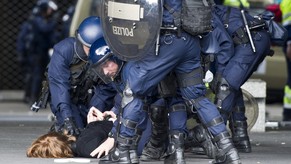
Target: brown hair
x: 52, y: 145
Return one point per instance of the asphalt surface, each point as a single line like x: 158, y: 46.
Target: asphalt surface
x: 19, y: 127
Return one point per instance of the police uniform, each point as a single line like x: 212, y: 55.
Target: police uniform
x: 69, y: 77
x: 217, y: 49
x: 163, y: 116
x: 36, y: 38
x: 180, y: 54
x: 44, y: 37
x: 60, y: 82
x: 66, y: 72
x: 157, y: 112
x: 286, y: 22
x: 238, y: 69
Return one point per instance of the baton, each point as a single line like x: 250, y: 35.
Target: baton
x: 248, y: 30
x: 158, y: 44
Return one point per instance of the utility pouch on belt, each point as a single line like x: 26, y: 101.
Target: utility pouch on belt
x: 196, y: 16
x: 240, y: 37
x: 168, y: 86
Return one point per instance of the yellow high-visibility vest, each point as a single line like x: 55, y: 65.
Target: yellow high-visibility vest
x: 287, y: 97
x: 285, y: 7
x: 236, y: 3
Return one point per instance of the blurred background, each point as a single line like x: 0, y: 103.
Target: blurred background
x: 13, y: 14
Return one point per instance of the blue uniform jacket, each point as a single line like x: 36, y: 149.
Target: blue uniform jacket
x: 59, y: 76
x: 224, y: 43
x: 105, y: 96
x: 44, y: 34
x: 168, y: 17
x: 244, y: 61
x: 234, y: 20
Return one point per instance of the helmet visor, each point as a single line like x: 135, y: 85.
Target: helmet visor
x: 98, y: 68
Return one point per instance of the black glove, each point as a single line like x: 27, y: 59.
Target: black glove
x: 70, y: 127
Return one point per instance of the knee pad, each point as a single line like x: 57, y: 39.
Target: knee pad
x: 223, y: 90
x: 127, y: 96
x: 158, y: 114
x: 168, y: 86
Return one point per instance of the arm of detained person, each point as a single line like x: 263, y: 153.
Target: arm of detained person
x: 108, y: 144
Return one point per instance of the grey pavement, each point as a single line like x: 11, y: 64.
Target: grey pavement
x: 19, y: 127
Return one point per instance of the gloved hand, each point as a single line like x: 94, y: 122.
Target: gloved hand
x: 70, y: 126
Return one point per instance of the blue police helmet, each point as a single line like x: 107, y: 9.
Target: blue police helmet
x: 89, y: 31
x: 99, y: 51
x: 98, y: 55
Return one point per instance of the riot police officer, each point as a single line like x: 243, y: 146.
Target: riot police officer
x: 216, y: 46
x: 157, y: 104
x: 232, y: 73
x: 66, y: 72
x: 157, y: 107
x: 43, y: 24
x: 178, y: 52
x: 36, y: 37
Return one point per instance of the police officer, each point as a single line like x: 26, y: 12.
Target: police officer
x: 285, y: 7
x: 42, y: 39
x: 156, y: 104
x: 66, y: 72
x: 157, y: 112
x: 233, y: 73
x: 35, y: 39
x: 181, y: 55
x: 216, y: 46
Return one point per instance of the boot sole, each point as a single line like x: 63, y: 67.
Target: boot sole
x: 227, y: 162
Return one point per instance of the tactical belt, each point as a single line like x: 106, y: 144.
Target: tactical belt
x: 241, y: 37
x: 177, y: 108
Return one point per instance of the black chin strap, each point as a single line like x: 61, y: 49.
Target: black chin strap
x: 79, y: 51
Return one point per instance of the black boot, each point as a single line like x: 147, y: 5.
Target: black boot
x: 239, y: 130
x: 125, y: 152
x: 155, y: 148
x: 240, y: 136
x: 226, y: 152
x: 200, y: 142
x: 152, y: 152
x: 175, y: 152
